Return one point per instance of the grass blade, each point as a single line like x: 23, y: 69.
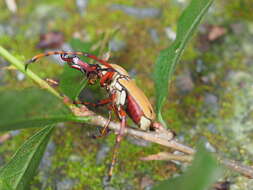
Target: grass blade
x: 32, y: 108
x: 169, y: 57
x: 17, y: 173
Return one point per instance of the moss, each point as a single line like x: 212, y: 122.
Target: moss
x: 239, y: 9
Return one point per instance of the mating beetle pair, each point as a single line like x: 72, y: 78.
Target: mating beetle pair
x: 125, y: 98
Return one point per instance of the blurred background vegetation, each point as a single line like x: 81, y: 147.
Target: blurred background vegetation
x: 210, y: 97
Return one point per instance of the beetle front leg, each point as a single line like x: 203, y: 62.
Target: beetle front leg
x: 105, y: 130
x: 122, y: 115
x: 105, y: 78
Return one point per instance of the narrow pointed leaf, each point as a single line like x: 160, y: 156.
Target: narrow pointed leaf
x: 31, y: 108
x: 169, y: 57
x: 22, y: 167
x: 72, y: 82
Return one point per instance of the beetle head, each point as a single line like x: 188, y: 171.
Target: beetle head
x: 92, y: 71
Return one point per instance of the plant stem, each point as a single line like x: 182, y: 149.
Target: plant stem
x: 20, y: 66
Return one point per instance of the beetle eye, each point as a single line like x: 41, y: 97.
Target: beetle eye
x: 92, y: 78
x: 92, y: 81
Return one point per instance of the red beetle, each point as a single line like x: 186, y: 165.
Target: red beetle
x: 125, y: 97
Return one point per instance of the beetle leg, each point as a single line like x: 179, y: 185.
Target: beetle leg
x: 122, y: 115
x: 106, y: 77
x: 105, y: 129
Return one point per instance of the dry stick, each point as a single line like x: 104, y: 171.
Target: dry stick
x: 168, y: 156
x: 238, y: 167
x: 159, y: 139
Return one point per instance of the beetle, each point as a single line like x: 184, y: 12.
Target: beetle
x: 125, y: 98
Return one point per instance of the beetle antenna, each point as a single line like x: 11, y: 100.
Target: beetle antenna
x: 39, y: 56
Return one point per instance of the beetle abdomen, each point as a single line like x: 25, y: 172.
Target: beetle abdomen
x: 136, y: 114
x: 133, y: 109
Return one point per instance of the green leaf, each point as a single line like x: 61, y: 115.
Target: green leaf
x: 23, y: 165
x: 200, y: 175
x: 32, y: 108
x: 72, y: 82
x: 169, y: 57
x: 4, y: 185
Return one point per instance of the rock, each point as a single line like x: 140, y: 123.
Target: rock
x: 154, y: 35
x: 82, y: 6
x: 65, y: 184
x: 184, y: 82
x: 171, y: 34
x: 106, y: 183
x: 46, y: 162
x: 102, y: 153
x: 212, y: 128
x: 75, y: 158
x: 238, y: 28
x: 15, y: 133
x: 45, y: 165
x: 116, y: 45
x: 200, y: 66
x: 211, y: 101
x: 146, y: 183
x: 209, y: 147
x: 20, y: 75
x: 140, y: 13
x: 6, y: 30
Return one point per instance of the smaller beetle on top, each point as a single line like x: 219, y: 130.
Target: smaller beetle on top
x: 125, y: 98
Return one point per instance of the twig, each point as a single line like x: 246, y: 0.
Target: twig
x: 238, y: 167
x: 168, y: 156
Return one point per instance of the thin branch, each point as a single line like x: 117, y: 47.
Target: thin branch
x: 168, y: 156
x: 238, y: 167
